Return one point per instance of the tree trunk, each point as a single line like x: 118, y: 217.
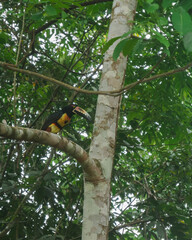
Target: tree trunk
x: 97, y: 193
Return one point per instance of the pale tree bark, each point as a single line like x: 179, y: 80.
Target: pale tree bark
x: 97, y: 193
x: 72, y: 149
x: 96, y: 185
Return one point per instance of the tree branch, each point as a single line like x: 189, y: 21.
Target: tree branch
x: 93, y: 172
x: 111, y: 93
x: 130, y: 224
x: 45, y: 26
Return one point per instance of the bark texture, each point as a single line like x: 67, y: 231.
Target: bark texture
x: 53, y: 140
x: 97, y: 193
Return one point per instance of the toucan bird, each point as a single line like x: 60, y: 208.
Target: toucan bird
x: 56, y: 121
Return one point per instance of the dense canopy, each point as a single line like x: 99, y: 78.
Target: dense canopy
x: 151, y: 191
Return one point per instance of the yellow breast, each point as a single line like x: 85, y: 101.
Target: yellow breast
x: 53, y: 128
x: 64, y: 120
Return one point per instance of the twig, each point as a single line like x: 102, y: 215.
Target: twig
x: 161, y: 75
x: 58, y: 63
x: 45, y: 108
x: 155, y: 66
x: 30, y: 48
x: 84, y: 4
x: 110, y: 93
x: 73, y: 96
x: 56, y: 89
x: 6, y: 164
x: 130, y: 224
x: 15, y: 73
x: 39, y: 179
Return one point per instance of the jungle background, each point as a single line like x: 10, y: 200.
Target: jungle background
x: 151, y: 191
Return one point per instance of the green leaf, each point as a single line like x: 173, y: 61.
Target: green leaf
x: 64, y: 14
x: 79, y: 65
x: 167, y: 3
x: 186, y: 4
x: 129, y: 46
x: 50, y: 10
x: 138, y: 46
x: 149, y: 1
x: 119, y: 48
x: 151, y: 8
x: 3, y: 38
x: 162, y: 21
x: 187, y: 40
x: 109, y: 43
x: 37, y: 16
x: 181, y: 21
x: 161, y: 39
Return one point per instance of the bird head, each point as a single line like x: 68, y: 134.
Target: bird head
x: 74, y: 109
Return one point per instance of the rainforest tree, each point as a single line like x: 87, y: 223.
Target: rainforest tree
x: 139, y: 96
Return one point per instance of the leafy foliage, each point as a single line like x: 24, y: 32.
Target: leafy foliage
x: 151, y: 183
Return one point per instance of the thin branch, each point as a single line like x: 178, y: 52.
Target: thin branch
x: 130, y: 224
x: 58, y: 63
x: 87, y: 49
x: 74, y: 95
x: 111, y: 93
x: 155, y: 66
x: 6, y: 164
x: 17, y: 211
x: 45, y: 26
x: 56, y: 89
x: 30, y: 49
x: 161, y: 75
x: 15, y: 73
x: 45, y: 108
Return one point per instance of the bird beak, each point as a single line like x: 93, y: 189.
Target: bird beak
x: 83, y: 113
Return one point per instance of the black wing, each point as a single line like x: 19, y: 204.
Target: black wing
x: 53, y: 118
